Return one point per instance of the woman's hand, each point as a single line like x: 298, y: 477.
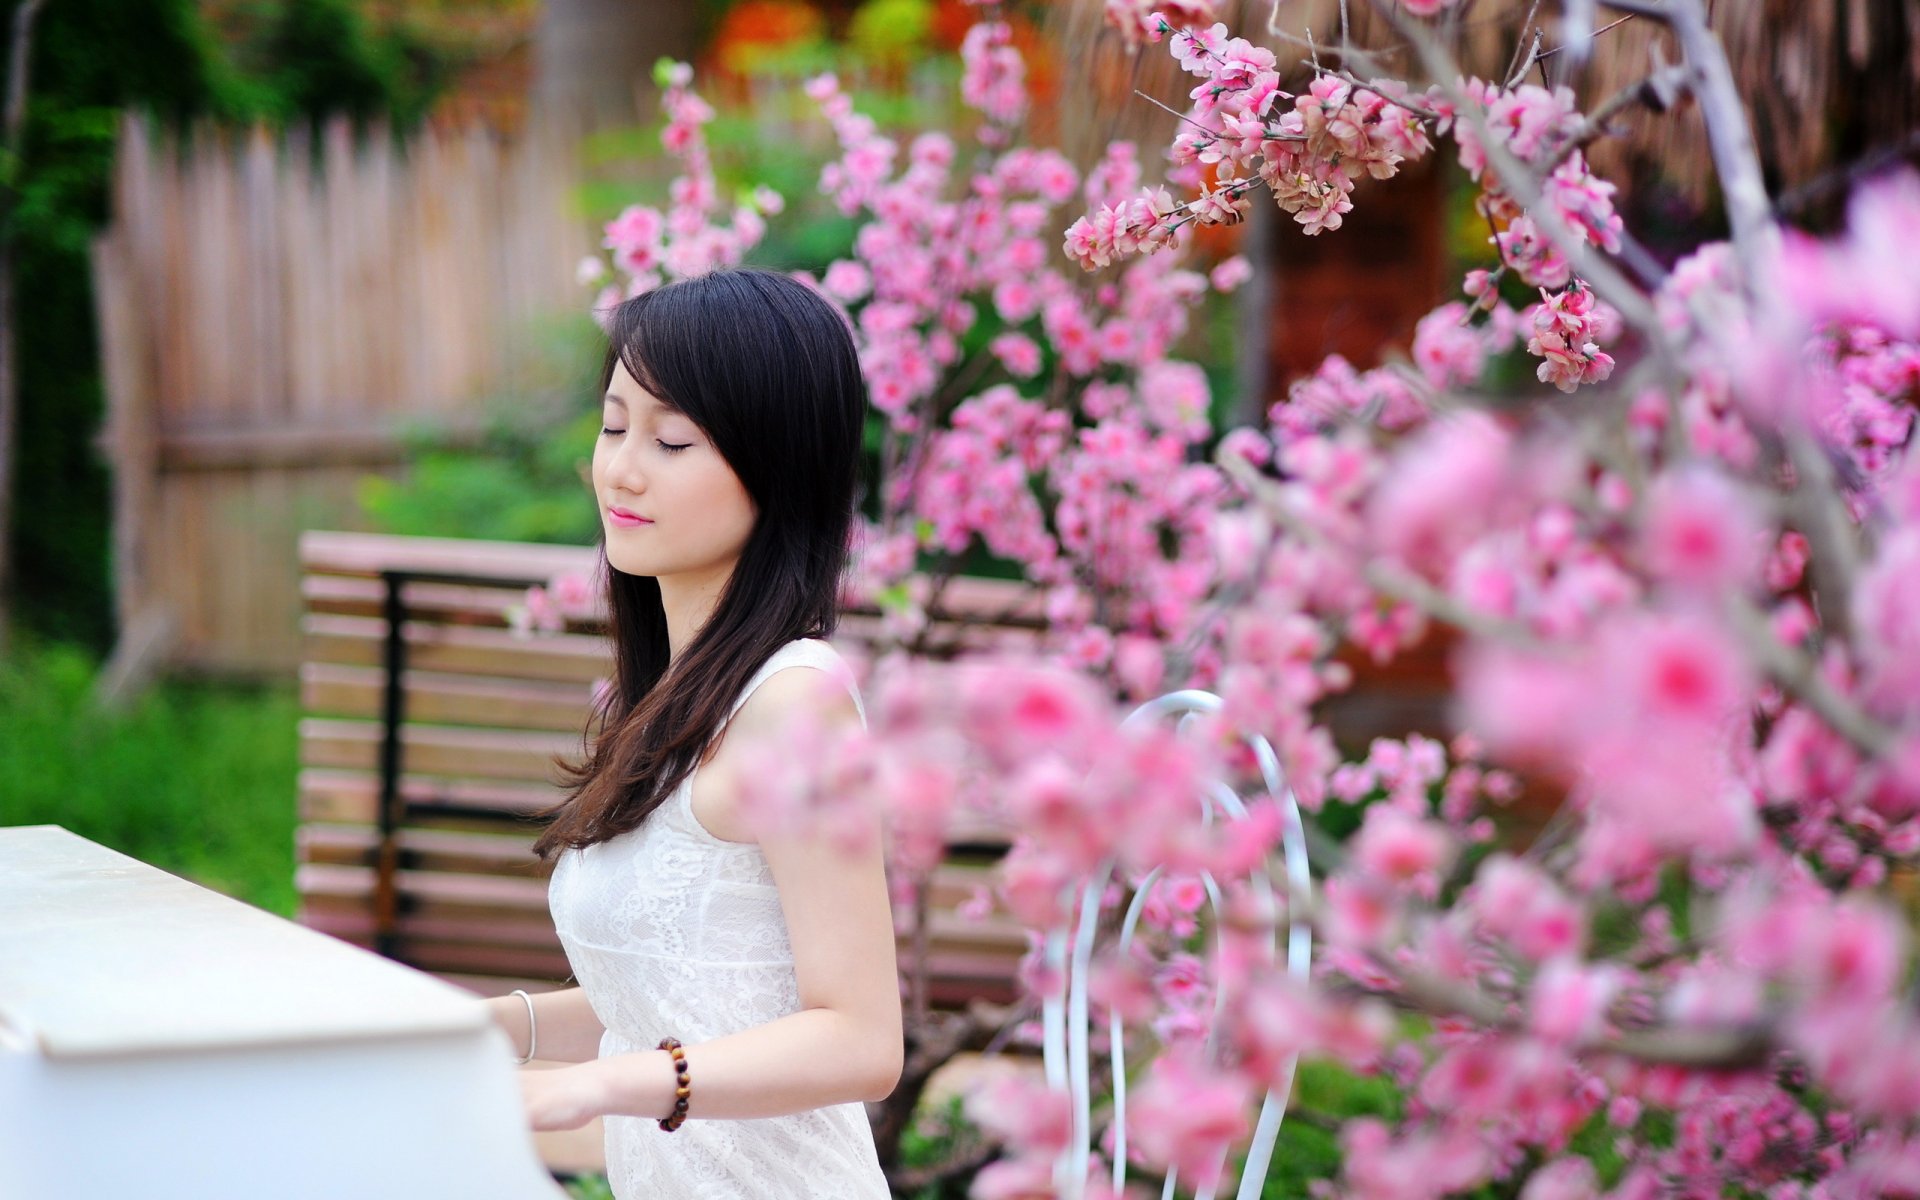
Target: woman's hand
x: 640, y: 1084
x: 563, y: 1097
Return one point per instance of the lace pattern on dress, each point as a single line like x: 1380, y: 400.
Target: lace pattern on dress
x: 671, y: 930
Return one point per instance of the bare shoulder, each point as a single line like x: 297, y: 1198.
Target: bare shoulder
x: 790, y: 694
x: 787, y: 697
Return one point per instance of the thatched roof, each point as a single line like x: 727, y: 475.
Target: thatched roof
x: 1827, y: 81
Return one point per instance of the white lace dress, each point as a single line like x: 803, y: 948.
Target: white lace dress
x: 671, y: 930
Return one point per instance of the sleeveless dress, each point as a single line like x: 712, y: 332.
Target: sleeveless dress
x: 671, y: 930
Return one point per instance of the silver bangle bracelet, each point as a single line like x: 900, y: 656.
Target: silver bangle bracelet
x: 533, y: 1029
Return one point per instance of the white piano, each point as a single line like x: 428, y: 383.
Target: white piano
x: 159, y: 1040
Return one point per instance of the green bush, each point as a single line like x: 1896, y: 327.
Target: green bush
x: 195, y: 779
x: 272, y: 60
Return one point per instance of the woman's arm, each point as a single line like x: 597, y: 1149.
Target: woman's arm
x: 568, y: 1029
x: 844, y: 1044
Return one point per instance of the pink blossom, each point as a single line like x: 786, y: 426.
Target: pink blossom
x: 1358, y: 914
x: 1566, y: 326
x: 1885, y: 600
x: 1198, y: 49
x: 1569, y: 1178
x: 1675, y: 668
x: 1402, y: 850
x: 1026, y: 1177
x: 1023, y: 1112
x: 1448, y: 351
x: 1419, y: 1166
x: 1017, y: 354
x: 1442, y: 486
x: 1569, y: 1000
x: 1701, y: 532
x: 1513, y: 899
x: 1186, y: 1116
x: 1230, y: 273
x: 847, y: 281
x: 994, y: 76
x: 1533, y: 256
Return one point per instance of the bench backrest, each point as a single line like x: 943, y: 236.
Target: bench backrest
x: 427, y: 742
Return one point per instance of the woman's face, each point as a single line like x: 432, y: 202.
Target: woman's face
x: 669, y: 502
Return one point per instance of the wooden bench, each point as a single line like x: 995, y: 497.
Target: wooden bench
x: 428, y: 738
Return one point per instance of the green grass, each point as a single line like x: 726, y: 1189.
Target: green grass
x: 197, y: 779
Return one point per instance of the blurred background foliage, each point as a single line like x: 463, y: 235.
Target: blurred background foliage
x: 195, y: 778
x: 278, y: 61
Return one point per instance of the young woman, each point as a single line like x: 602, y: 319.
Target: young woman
x: 726, y: 474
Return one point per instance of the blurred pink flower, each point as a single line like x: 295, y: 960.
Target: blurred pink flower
x: 1701, y: 532
x: 1186, y: 1115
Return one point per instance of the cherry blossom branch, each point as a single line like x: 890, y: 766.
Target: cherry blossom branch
x: 1533, y: 56
x: 1360, y: 85
x: 1838, y: 182
x: 1756, y: 241
x: 1381, y: 576
x: 1657, y: 91
x: 1606, y: 279
x: 1526, y: 27
x: 1729, y: 134
x: 1590, y: 37
x: 1725, y: 1047
x: 1800, y: 675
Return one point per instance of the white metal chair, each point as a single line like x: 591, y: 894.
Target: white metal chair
x: 1066, y: 1020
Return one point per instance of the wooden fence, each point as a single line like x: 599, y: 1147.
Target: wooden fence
x: 275, y: 312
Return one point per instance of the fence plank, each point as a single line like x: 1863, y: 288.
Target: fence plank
x: 271, y: 317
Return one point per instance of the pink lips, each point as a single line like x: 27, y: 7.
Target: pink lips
x: 626, y: 519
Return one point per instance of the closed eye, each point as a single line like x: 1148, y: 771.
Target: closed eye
x: 670, y: 447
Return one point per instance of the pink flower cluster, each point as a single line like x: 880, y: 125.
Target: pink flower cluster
x: 1539, y: 127
x: 994, y: 78
x: 1567, y: 328
x: 697, y: 232
x: 1090, y: 489
x: 1307, y: 156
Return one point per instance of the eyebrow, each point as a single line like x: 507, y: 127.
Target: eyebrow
x: 612, y: 398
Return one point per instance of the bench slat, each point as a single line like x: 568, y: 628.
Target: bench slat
x: 460, y: 650
x: 329, y: 689
x: 339, y: 553
x: 447, y: 603
x: 437, y: 750
x: 332, y: 794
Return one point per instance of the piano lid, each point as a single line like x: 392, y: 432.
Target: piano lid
x: 101, y: 955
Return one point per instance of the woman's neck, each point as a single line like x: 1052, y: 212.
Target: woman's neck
x: 688, y: 601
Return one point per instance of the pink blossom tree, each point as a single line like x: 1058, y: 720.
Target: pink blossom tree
x: 1682, y: 577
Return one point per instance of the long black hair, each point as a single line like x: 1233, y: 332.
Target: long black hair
x: 767, y: 369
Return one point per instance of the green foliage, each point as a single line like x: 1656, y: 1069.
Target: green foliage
x: 891, y: 31
x: 514, y: 487
x: 526, y: 478
x: 195, y: 779
x: 589, y: 1187
x: 1324, y: 1096
x: 91, y: 60
x: 304, y: 60
x: 938, y: 1135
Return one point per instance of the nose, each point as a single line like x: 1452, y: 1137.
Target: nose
x: 625, y: 472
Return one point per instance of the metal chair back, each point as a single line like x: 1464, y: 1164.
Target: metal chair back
x: 1066, y: 1020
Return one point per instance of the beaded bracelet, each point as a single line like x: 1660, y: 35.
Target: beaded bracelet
x: 683, y: 1087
